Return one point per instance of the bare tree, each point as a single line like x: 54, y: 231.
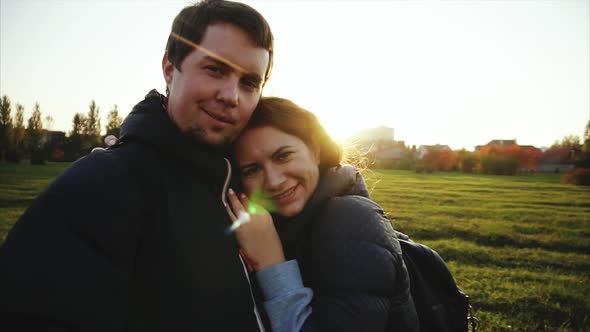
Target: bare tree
x: 18, y: 132
x: 34, y: 127
x: 570, y: 142
x: 34, y: 136
x: 114, y: 122
x: 586, y: 143
x: 5, y: 126
x: 48, y: 122
x: 92, y: 125
x: 78, y: 124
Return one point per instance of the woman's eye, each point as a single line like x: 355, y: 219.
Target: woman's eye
x: 284, y: 156
x: 249, y: 171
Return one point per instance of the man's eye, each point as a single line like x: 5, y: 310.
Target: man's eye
x: 214, y: 69
x: 251, y: 84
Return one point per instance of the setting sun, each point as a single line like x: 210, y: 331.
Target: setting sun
x: 459, y: 73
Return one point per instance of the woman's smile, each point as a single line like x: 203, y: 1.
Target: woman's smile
x: 280, y: 165
x: 286, y: 196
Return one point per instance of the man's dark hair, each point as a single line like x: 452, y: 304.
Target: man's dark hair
x: 192, y: 23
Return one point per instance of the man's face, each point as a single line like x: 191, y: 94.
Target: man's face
x: 218, y: 85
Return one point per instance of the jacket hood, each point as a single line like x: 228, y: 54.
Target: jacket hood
x: 149, y: 124
x: 334, y: 182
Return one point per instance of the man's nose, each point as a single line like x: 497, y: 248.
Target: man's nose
x: 228, y: 92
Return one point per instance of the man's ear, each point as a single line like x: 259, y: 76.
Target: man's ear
x: 167, y: 69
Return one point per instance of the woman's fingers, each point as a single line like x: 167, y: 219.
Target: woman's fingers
x: 231, y: 214
x: 259, y: 241
x: 235, y: 205
x: 245, y: 202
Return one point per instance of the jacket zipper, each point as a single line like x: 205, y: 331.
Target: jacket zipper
x: 245, y: 269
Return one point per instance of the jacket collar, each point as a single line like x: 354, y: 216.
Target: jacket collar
x: 149, y: 123
x: 334, y: 182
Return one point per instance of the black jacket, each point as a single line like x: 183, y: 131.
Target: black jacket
x: 350, y: 257
x: 129, y: 238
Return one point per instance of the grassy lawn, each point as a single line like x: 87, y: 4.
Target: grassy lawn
x: 519, y: 246
x: 19, y: 185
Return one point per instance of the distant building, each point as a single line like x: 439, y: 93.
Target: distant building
x: 378, y: 146
x: 498, y: 143
x: 387, y: 157
x: 51, y: 137
x: 531, y: 158
x: 558, y: 160
x: 374, y: 134
x: 424, y: 149
x: 54, y: 142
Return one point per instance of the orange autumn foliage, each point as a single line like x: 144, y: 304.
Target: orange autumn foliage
x: 525, y: 157
x: 440, y: 160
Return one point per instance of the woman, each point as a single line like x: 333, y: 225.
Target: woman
x: 324, y: 232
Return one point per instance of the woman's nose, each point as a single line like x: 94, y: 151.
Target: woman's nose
x: 274, y: 179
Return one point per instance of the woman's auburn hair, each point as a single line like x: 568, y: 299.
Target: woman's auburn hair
x: 290, y: 118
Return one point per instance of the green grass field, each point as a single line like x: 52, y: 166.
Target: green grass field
x: 519, y: 246
x: 19, y: 185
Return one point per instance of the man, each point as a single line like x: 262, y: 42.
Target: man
x: 132, y: 237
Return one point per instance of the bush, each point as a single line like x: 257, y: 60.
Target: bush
x: 498, y: 165
x: 56, y: 155
x: 421, y: 168
x: 13, y: 156
x: 577, y: 176
x: 468, y: 164
x: 38, y: 157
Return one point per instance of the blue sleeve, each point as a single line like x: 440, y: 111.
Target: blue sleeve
x: 286, y: 301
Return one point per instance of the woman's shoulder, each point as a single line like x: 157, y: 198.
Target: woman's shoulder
x: 353, y: 217
x: 354, y: 204
x: 349, y: 208
x: 351, y: 239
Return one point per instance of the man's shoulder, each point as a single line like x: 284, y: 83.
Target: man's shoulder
x: 122, y: 156
x: 128, y: 150
x: 90, y: 173
x: 105, y: 167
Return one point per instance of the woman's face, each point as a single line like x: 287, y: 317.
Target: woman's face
x: 278, y: 170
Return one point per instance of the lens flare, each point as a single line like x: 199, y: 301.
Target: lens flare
x: 259, y: 200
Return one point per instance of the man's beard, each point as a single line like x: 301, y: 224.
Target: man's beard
x: 199, y: 136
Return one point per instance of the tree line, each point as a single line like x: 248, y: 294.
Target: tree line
x: 35, y: 142
x: 504, y: 159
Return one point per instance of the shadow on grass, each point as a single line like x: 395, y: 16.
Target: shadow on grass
x: 500, y: 240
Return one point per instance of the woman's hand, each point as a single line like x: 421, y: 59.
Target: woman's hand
x: 258, y: 238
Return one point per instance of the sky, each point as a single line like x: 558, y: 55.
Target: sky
x: 459, y: 73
